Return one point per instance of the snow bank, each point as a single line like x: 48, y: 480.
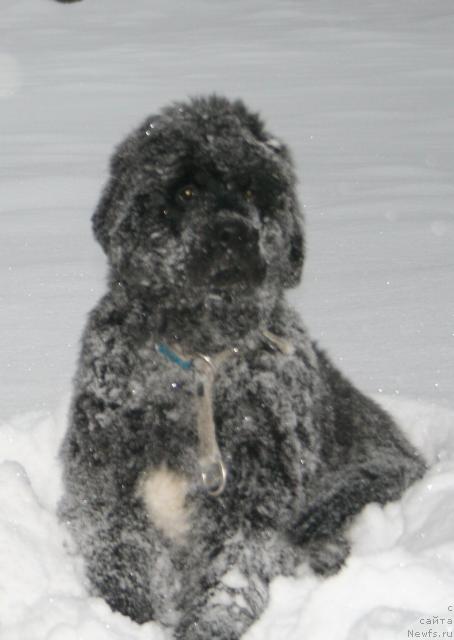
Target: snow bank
x: 42, y: 595
x: 398, y: 581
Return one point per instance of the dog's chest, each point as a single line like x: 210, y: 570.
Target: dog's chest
x: 262, y: 417
x: 248, y: 390
x: 264, y: 414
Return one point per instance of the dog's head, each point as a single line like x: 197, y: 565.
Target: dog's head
x: 201, y: 199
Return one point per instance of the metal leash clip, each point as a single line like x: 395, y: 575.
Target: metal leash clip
x: 214, y: 477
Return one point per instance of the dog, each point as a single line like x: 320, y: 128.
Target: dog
x: 212, y: 445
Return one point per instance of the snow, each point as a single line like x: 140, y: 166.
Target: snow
x: 401, y: 569
x: 363, y: 92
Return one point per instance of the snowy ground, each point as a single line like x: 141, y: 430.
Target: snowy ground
x: 364, y: 92
x: 401, y: 570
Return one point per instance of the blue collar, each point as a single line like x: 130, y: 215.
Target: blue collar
x: 172, y: 356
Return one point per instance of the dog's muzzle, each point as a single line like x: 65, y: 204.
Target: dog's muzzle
x: 229, y: 254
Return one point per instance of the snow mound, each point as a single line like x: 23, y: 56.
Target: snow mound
x: 398, y: 581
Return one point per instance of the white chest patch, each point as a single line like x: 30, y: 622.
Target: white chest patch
x: 164, y: 495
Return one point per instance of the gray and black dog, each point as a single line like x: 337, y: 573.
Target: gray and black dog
x: 212, y: 445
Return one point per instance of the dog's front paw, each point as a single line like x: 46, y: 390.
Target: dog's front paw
x: 205, y: 631
x: 327, y: 557
x: 117, y: 574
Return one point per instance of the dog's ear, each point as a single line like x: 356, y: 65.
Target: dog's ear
x: 108, y: 210
x: 101, y: 216
x: 295, y: 258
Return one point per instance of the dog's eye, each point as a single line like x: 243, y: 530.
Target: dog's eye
x: 249, y: 195
x: 187, y: 193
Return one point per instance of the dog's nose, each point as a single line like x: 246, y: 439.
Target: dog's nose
x: 236, y: 234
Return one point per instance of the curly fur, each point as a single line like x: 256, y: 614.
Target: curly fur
x: 202, y: 229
